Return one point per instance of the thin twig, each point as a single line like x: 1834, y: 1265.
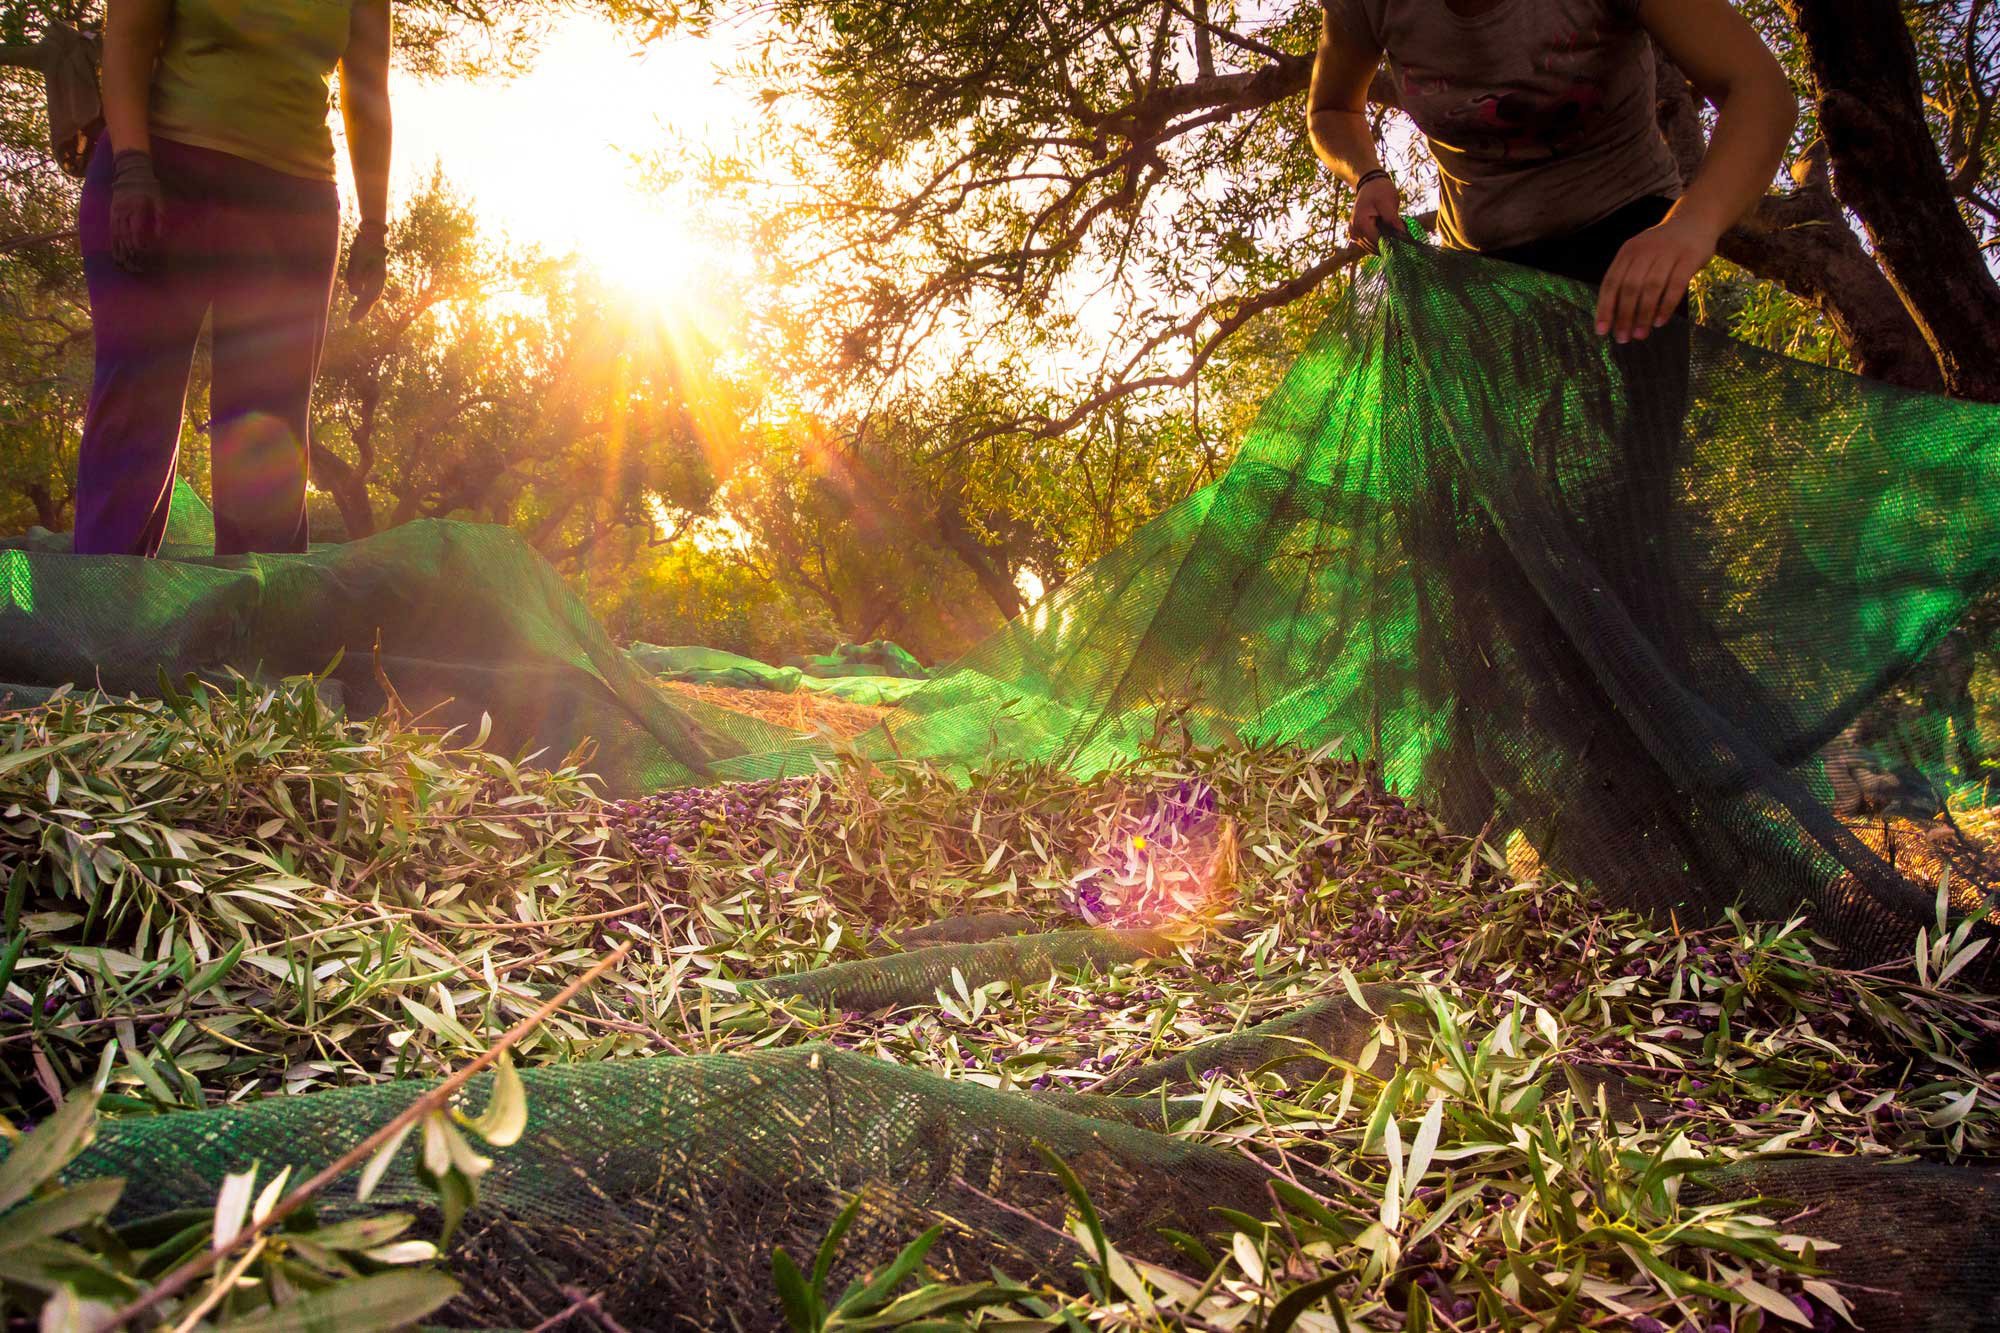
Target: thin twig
x: 219, y: 1289
x: 578, y: 1304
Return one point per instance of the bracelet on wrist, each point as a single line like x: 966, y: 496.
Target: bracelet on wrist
x: 133, y: 167
x: 1366, y: 177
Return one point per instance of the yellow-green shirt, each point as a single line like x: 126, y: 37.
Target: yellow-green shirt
x: 253, y: 78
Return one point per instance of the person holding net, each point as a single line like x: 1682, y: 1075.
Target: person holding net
x: 211, y: 194
x: 1541, y: 117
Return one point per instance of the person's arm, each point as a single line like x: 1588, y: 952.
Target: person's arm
x: 133, y: 32
x: 1337, y: 122
x: 364, y: 107
x: 1755, y: 110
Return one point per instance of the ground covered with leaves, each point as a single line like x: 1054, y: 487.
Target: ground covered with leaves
x: 229, y: 895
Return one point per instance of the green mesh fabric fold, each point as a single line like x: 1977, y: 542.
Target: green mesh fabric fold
x: 712, y: 666
x: 1300, y: 1043
x: 469, y: 620
x: 1919, y: 1242
x: 663, y: 1184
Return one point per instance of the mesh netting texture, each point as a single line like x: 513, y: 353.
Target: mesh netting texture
x: 664, y: 1183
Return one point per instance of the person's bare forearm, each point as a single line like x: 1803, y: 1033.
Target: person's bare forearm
x: 1727, y: 62
x: 1725, y: 59
x: 133, y: 31
x: 1343, y: 141
x: 1337, y: 124
x: 1337, y: 101
x: 1752, y: 129
x: 370, y: 137
x: 364, y: 108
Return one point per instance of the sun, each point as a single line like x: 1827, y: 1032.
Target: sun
x: 646, y: 254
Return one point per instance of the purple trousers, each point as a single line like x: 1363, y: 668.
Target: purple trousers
x: 256, y: 249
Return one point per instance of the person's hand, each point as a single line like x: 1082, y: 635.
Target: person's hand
x: 1377, y: 208
x: 367, y: 267
x: 1648, y: 280
x: 138, y: 210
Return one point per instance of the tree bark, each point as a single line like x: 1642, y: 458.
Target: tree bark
x: 545, y: 533
x: 991, y: 574
x: 67, y: 60
x: 48, y: 511
x: 1869, y: 94
x: 1802, y: 242
x: 465, y: 484
x: 1204, y: 44
x: 349, y: 489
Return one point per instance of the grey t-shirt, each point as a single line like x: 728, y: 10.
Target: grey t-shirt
x: 1540, y: 113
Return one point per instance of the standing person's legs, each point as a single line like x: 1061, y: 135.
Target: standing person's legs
x: 272, y: 292
x: 145, y: 326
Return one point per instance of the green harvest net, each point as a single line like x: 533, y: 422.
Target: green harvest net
x: 879, y: 674
x: 458, y: 619
x: 1636, y: 606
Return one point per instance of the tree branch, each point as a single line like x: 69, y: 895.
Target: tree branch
x: 1869, y: 92
x: 25, y: 57
x: 1241, y: 311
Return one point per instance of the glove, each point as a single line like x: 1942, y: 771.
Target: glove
x: 367, y: 266
x: 138, y: 210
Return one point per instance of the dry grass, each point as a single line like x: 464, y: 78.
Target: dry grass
x: 1927, y: 851
x: 802, y: 710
